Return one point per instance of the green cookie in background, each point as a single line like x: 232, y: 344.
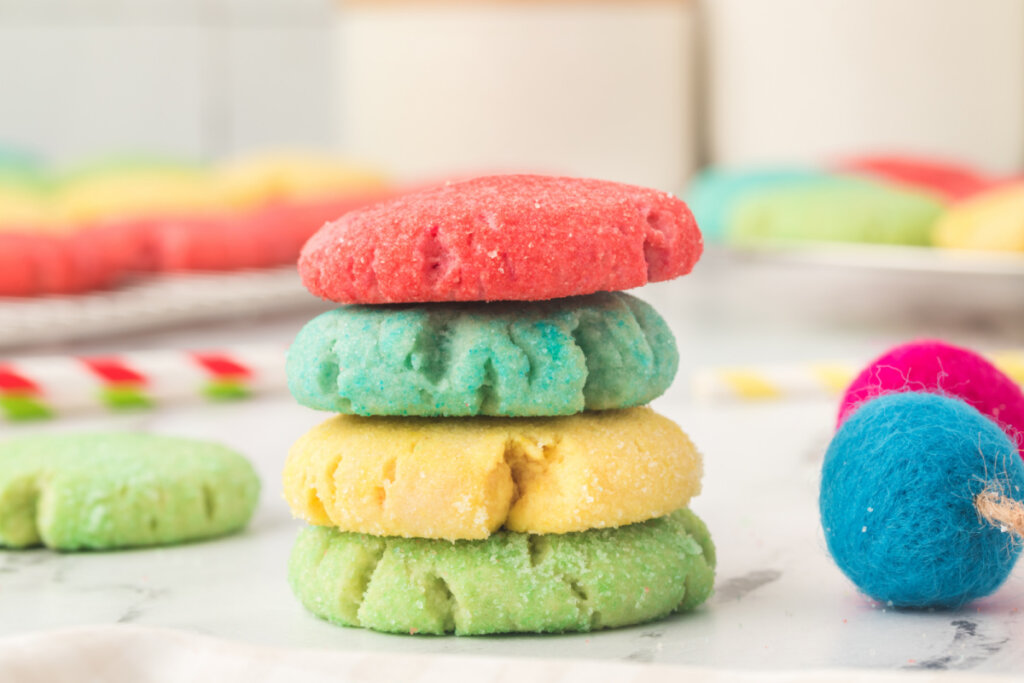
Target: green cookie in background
x: 105, y: 491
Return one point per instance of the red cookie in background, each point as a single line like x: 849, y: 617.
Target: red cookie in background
x: 34, y: 263
x: 950, y: 182
x: 94, y: 228
x: 17, y: 267
x: 513, y: 237
x: 269, y: 235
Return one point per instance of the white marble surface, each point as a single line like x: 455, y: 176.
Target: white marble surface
x: 780, y: 603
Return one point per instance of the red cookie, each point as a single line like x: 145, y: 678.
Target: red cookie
x: 515, y: 237
x: 271, y: 235
x: 948, y: 181
x: 33, y: 263
x: 17, y: 270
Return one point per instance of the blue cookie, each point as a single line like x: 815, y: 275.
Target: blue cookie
x: 558, y: 357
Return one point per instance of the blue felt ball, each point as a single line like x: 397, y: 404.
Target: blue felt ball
x: 897, y: 500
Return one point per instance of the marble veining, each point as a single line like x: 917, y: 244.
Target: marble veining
x: 736, y: 587
x: 968, y: 648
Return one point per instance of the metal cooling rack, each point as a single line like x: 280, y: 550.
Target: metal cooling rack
x: 152, y: 303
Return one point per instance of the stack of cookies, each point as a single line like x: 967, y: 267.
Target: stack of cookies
x: 493, y: 467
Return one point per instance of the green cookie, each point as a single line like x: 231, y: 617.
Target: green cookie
x: 510, y: 582
x: 598, y: 352
x: 96, y: 491
x: 850, y: 211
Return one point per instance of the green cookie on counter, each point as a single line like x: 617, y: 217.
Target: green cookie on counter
x: 107, y: 491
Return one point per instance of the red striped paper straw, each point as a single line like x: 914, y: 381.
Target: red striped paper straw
x: 42, y: 387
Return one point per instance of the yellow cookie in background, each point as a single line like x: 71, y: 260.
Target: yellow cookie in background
x: 136, y: 191
x: 25, y: 208
x: 464, y: 478
x: 991, y: 220
x: 292, y: 176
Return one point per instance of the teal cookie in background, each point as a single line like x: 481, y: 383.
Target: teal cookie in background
x: 15, y: 158
x: 21, y: 170
x: 845, y: 210
x: 510, y: 582
x: 558, y: 357
x: 105, y: 491
x: 715, y: 192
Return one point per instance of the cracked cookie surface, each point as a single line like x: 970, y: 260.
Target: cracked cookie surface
x: 101, y: 491
x: 511, y: 237
x: 511, y: 582
x: 598, y: 352
x: 464, y: 478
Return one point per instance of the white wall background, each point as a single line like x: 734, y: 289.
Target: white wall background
x: 807, y: 81
x: 185, y: 78
x: 784, y: 82
x: 601, y: 89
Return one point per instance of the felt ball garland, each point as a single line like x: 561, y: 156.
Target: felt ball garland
x: 940, y: 368
x: 922, y: 490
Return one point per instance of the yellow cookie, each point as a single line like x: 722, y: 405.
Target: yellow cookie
x: 24, y: 209
x: 992, y: 220
x: 131, y: 192
x: 464, y: 478
x: 292, y: 176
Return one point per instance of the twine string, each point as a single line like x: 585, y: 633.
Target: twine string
x: 1001, y: 511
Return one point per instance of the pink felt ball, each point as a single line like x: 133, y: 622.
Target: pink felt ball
x: 937, y: 367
